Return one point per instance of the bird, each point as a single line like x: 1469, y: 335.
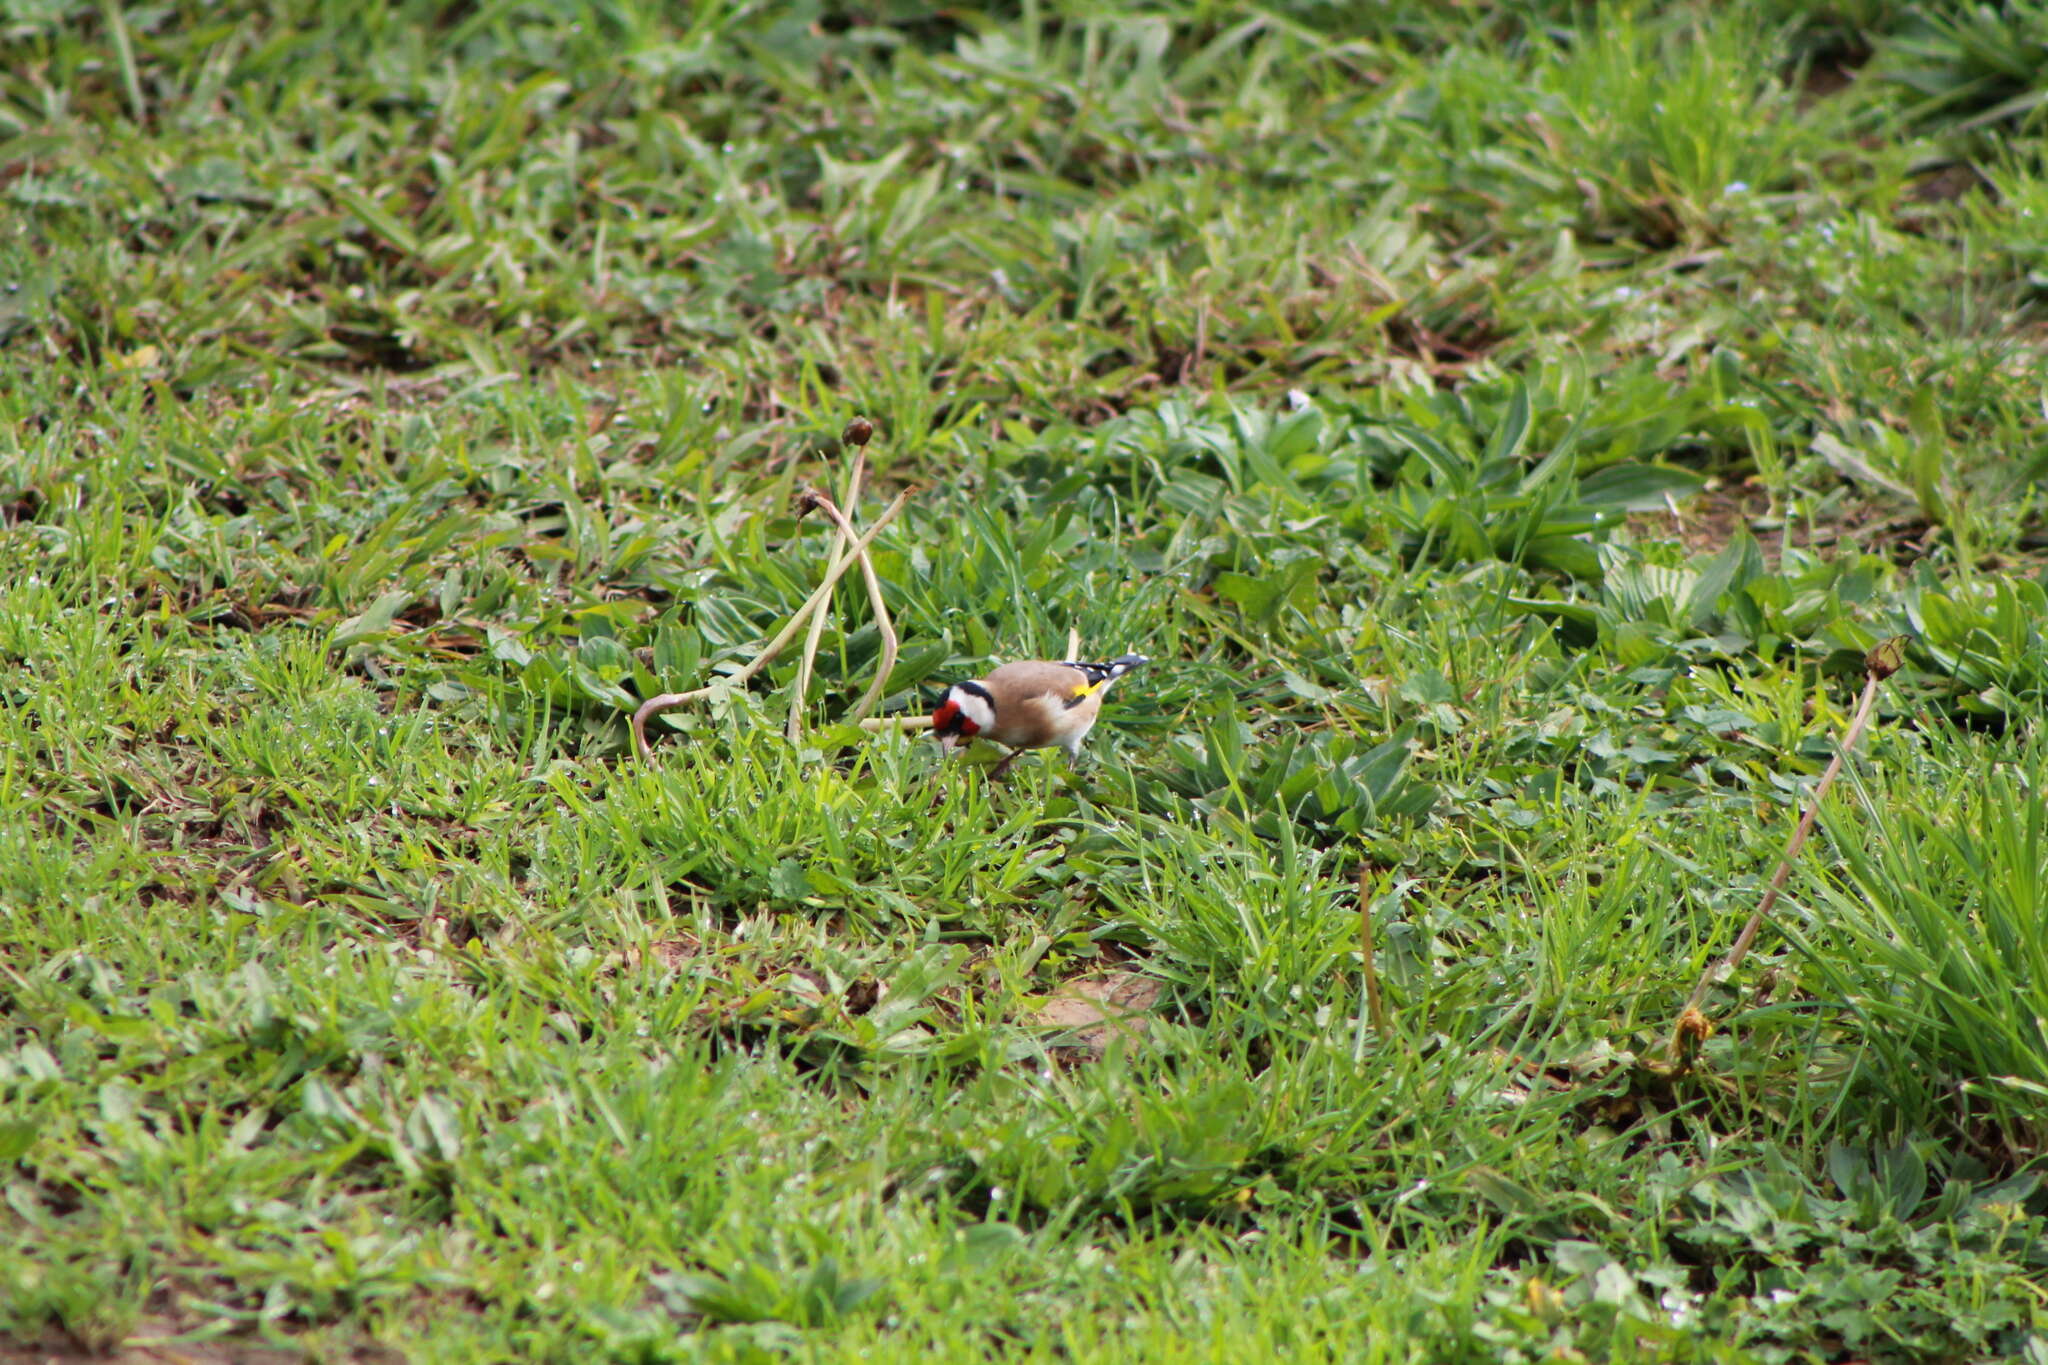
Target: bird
x: 1030, y: 704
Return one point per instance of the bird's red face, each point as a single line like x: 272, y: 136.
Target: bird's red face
x: 965, y: 713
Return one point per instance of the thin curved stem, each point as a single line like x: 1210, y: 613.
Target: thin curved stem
x: 833, y: 568
x: 891, y: 646
x: 1693, y: 1026
x: 667, y: 700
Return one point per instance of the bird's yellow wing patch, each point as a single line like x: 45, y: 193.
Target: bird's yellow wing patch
x: 1083, y: 691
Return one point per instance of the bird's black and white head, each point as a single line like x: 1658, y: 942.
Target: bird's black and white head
x: 965, y: 712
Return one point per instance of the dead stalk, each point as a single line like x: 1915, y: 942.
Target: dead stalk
x: 1374, y: 1009
x: 1693, y: 1025
x: 817, y: 599
x: 890, y: 644
x: 834, y: 566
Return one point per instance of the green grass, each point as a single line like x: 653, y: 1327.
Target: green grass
x: 1506, y: 425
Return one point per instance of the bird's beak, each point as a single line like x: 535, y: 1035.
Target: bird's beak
x: 946, y: 743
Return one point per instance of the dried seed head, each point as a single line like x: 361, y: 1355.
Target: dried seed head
x: 1887, y: 658
x: 858, y: 432
x: 1694, y: 1028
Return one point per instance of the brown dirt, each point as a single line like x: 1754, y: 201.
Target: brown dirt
x: 1705, y: 523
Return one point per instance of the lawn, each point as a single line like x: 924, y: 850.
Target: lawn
x: 1508, y: 426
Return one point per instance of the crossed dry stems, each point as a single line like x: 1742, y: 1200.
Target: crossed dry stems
x: 848, y: 549
x: 837, y: 566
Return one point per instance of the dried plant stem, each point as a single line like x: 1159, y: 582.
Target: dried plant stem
x: 1692, y: 1026
x: 817, y: 599
x: 1375, y: 1009
x: 834, y: 567
x: 891, y: 646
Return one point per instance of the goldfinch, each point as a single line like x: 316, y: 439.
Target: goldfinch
x: 1031, y: 704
